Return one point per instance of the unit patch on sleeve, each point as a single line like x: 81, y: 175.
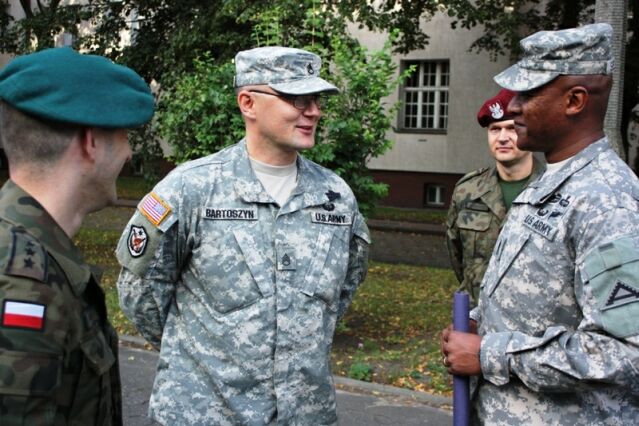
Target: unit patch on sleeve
x: 137, y: 240
x: 154, y: 208
x: 621, y: 294
x: 215, y: 213
x: 16, y: 314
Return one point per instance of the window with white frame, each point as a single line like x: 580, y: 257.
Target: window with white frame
x: 434, y: 195
x: 425, y: 96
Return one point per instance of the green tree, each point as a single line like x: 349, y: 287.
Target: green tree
x: 200, y: 114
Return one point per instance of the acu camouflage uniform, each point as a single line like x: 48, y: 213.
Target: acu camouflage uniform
x: 242, y: 296
x: 476, y: 214
x: 559, y: 305
x: 65, y: 371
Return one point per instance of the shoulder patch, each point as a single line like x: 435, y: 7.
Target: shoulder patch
x: 471, y: 175
x: 154, y: 208
x: 27, y: 257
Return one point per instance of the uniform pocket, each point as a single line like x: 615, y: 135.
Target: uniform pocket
x: 327, y: 270
x: 231, y: 270
x: 29, y: 373
x: 96, y: 349
x: 473, y: 220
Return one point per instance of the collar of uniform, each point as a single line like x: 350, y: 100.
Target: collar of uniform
x: 21, y: 209
x: 246, y: 184
x: 538, y: 191
x: 489, y: 192
x: 311, y: 188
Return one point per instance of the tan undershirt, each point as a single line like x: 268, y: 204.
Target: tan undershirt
x: 279, y: 181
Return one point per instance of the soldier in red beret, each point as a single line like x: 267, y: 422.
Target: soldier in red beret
x: 482, y: 197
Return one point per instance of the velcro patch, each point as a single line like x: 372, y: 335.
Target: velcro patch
x: 28, y: 315
x: 28, y: 257
x: 136, y: 241
x: 540, y: 226
x: 154, y: 208
x: 621, y: 294
x: 213, y: 213
x: 331, y: 218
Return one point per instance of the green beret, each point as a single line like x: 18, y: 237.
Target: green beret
x: 63, y: 85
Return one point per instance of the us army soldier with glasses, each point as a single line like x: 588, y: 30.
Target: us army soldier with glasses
x: 238, y: 265
x: 558, y: 314
x: 63, y: 120
x: 483, y: 197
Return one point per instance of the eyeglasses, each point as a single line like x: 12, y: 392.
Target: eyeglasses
x: 300, y: 102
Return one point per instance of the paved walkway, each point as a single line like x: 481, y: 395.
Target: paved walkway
x: 358, y: 403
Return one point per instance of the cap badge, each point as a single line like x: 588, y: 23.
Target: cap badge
x: 496, y: 111
x: 310, y: 69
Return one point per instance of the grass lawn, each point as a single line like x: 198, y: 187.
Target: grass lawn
x: 390, y: 334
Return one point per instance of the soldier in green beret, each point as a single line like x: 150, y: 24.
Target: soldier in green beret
x: 63, y: 121
x: 482, y: 197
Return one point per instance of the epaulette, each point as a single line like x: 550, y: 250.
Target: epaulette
x: 471, y: 175
x: 26, y: 257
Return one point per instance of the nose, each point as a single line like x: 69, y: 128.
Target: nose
x: 504, y: 135
x: 313, y: 109
x: 514, y: 106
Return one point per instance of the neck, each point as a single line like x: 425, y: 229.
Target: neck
x: 511, y: 172
x: 57, y: 191
x: 576, y: 145
x: 266, y: 153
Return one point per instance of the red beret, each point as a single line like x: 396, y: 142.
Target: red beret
x: 495, y: 108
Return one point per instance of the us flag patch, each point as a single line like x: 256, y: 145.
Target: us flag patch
x: 154, y: 208
x: 23, y: 315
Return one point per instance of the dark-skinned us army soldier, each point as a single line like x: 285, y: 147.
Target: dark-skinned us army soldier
x: 238, y: 265
x: 482, y: 198
x: 558, y: 317
x: 63, y: 120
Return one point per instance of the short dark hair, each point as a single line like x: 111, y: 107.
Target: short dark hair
x: 31, y: 140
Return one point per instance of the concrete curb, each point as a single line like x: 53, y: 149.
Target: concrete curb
x: 344, y: 383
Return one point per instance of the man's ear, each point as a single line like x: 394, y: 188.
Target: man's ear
x: 576, y: 100
x: 246, y: 104
x: 87, y: 143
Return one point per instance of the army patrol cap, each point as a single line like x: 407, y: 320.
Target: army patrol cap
x: 284, y: 69
x: 495, y: 108
x: 549, y: 54
x: 63, y: 85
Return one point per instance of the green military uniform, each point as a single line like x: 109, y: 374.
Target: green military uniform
x: 476, y: 214
x: 58, y: 352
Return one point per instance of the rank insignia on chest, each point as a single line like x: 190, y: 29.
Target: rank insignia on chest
x: 154, y: 208
x: 27, y: 315
x: 215, y: 213
x: 136, y: 242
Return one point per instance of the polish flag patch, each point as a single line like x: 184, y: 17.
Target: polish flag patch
x: 23, y: 315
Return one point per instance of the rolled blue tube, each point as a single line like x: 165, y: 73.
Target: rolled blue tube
x: 461, y: 395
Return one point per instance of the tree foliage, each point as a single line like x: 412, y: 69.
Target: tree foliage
x: 199, y: 115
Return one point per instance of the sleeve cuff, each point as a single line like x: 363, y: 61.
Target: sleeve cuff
x: 474, y: 314
x: 494, y: 359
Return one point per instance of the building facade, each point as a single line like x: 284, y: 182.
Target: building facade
x: 436, y: 135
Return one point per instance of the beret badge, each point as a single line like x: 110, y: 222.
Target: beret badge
x: 496, y: 111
